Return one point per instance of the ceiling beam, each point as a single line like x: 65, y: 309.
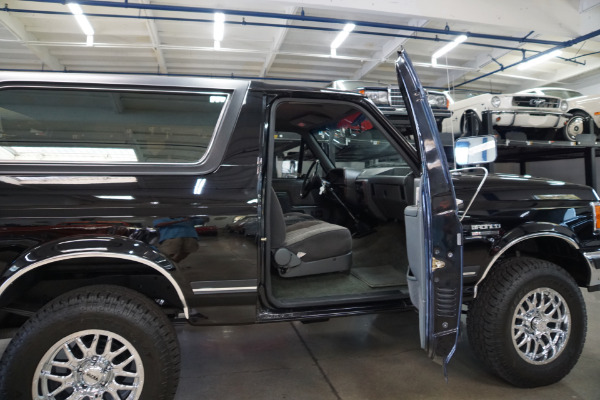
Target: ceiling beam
x: 18, y: 29
x: 562, y: 18
x: 585, y: 5
x: 480, y: 61
x: 277, y: 42
x: 591, y: 65
x: 388, y: 49
x: 329, y: 20
x: 153, y: 32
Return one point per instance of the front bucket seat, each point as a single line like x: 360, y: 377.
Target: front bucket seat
x: 308, y: 247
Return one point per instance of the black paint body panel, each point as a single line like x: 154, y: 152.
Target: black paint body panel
x: 44, y: 220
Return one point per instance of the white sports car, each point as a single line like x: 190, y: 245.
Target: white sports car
x: 584, y: 110
x: 533, y: 114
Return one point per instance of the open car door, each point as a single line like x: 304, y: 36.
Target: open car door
x: 433, y: 229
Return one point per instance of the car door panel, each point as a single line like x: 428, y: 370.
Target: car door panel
x: 433, y: 228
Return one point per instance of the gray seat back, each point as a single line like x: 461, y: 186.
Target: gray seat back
x: 277, y: 223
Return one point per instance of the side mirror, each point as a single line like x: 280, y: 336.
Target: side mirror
x: 475, y: 150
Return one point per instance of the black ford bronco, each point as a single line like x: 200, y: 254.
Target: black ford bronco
x: 132, y: 202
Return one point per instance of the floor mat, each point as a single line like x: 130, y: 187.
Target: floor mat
x: 382, y: 276
x: 303, y: 287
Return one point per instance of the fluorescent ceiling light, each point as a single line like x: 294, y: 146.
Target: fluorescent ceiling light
x: 219, y: 29
x: 66, y: 154
x: 445, y: 66
x: 83, y: 22
x: 539, y: 60
x: 458, y: 40
x: 339, y: 39
x: 527, y: 78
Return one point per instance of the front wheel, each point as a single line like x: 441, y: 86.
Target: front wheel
x: 528, y: 323
x: 98, y: 342
x: 575, y: 126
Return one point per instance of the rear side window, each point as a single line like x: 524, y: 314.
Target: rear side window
x: 50, y: 125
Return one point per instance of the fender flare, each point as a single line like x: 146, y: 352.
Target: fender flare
x: 525, y: 232
x: 92, y: 246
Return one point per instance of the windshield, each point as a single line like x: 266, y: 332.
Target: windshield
x: 457, y: 95
x: 353, y: 141
x: 562, y: 93
x: 348, y: 136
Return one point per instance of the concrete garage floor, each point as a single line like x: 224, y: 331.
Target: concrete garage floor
x: 355, y: 358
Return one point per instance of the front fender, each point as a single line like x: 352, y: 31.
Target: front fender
x: 529, y: 230
x: 88, y: 247
x: 533, y: 229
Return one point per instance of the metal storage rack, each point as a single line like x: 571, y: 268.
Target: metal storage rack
x: 517, y: 149
x: 525, y: 151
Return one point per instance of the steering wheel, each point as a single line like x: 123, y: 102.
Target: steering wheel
x: 311, y: 180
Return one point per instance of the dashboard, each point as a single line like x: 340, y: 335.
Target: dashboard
x: 383, y: 192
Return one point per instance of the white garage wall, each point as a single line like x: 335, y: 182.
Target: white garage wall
x: 588, y: 85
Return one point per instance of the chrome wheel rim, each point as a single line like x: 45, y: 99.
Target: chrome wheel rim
x: 575, y: 127
x: 89, y: 365
x: 541, y: 326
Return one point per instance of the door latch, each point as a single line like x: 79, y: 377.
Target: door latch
x: 437, y: 264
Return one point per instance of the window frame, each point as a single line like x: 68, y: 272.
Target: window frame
x: 211, y: 158
x: 392, y: 135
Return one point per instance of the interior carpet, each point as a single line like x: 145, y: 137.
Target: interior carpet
x: 381, y: 276
x: 303, y: 287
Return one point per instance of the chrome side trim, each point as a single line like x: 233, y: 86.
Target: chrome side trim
x: 240, y: 289
x: 88, y: 254
x: 226, y: 286
x: 553, y: 113
x: 567, y: 239
x: 594, y: 269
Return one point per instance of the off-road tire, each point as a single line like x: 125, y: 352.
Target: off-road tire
x: 492, y: 314
x: 116, y: 310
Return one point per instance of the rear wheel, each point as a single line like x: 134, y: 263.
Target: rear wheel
x: 528, y: 323
x: 99, y: 342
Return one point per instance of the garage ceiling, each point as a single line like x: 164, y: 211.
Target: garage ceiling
x: 292, y: 42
